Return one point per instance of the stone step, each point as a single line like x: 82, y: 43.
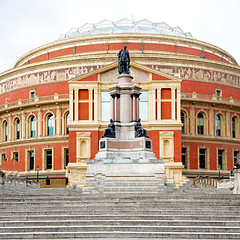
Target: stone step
x: 122, y: 228
x: 117, y: 222
x: 119, y: 235
x: 53, y: 218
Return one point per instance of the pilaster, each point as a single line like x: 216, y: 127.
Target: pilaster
x: 173, y: 102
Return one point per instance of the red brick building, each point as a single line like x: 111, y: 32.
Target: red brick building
x: 38, y: 128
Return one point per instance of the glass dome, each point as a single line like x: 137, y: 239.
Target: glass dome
x: 125, y: 26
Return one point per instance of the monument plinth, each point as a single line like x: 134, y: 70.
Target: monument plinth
x: 125, y: 161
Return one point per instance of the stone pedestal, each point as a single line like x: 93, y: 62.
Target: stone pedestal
x: 125, y: 161
x: 75, y: 173
x: 124, y: 175
x: 236, y: 189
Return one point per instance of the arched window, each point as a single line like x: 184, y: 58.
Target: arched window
x: 234, y: 122
x: 5, y: 131
x: 33, y: 126
x: 218, y: 125
x: 183, y: 121
x: 50, y: 125
x: 17, y: 128
x: 200, y: 124
x: 66, y: 123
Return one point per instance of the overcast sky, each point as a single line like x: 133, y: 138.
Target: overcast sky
x: 27, y: 24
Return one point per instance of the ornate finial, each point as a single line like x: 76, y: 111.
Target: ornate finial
x: 123, y: 61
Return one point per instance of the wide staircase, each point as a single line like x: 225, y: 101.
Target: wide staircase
x: 186, y: 213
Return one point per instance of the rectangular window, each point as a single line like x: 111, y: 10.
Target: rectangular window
x: 202, y: 158
x: 218, y: 93
x: 143, y: 106
x: 15, y: 156
x: 184, y: 157
x: 3, y: 157
x: 220, y: 159
x: 235, y: 157
x: 105, y: 106
x: 66, y: 157
x: 32, y: 96
x: 31, y: 160
x: 48, y: 159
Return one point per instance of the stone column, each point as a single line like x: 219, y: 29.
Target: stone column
x: 159, y: 103
x: 137, y: 107
x: 134, y: 108
x: 97, y: 105
x: 113, y: 108
x: 131, y: 108
x: 76, y: 103
x: 39, y: 122
x: 178, y: 104
x: 10, y: 127
x: 192, y: 119
x: 228, y: 122
x: 211, y: 121
x: 117, y: 111
x: 90, y: 105
x: 71, y: 104
x: 23, y: 124
x: 58, y: 120
x: 173, y: 102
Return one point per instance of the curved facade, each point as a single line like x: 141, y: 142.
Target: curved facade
x: 35, y: 113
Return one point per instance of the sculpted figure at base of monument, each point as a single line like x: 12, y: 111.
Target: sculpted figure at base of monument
x: 140, y: 132
x: 110, y: 130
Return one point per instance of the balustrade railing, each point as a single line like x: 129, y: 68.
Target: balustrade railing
x: 29, y: 101
x: 212, y: 98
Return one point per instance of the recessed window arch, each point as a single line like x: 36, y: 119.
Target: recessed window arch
x: 5, y: 131
x: 17, y: 128
x: 66, y: 122
x: 200, y: 123
x: 50, y: 124
x: 184, y: 121
x: 234, y: 127
x: 32, y: 126
x: 218, y: 125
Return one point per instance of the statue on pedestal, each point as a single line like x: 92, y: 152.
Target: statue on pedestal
x: 110, y: 130
x: 140, y: 132
x: 123, y: 61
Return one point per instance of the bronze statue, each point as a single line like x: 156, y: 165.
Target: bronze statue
x: 140, y: 132
x: 123, y: 61
x: 110, y: 130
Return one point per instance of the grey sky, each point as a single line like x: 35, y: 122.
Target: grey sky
x: 27, y: 24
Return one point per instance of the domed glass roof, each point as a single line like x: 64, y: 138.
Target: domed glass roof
x: 125, y: 26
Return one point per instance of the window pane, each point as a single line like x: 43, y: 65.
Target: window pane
x: 220, y: 159
x: 202, y: 158
x: 183, y: 122
x: 235, y: 158
x: 218, y: 125
x: 50, y: 125
x: 105, y: 106
x: 143, y: 106
x: 233, y: 127
x: 49, y: 159
x: 184, y: 150
x: 31, y: 160
x: 33, y: 127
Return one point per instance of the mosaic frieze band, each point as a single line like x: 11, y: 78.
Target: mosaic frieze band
x: 68, y: 73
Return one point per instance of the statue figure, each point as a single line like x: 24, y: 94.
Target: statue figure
x: 110, y: 130
x: 123, y: 61
x: 140, y: 132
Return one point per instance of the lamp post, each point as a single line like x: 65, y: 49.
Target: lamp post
x: 37, y: 173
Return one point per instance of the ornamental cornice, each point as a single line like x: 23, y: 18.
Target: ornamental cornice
x: 209, y: 139
x: 104, y: 58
